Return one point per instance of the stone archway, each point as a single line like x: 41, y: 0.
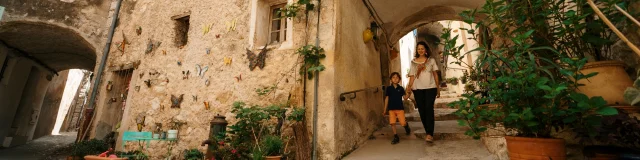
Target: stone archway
x: 31, y: 56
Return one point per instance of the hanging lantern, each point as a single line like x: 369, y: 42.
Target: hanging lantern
x: 367, y: 35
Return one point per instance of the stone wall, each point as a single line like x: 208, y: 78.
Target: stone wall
x: 163, y: 68
x: 357, y: 67
x: 51, y: 104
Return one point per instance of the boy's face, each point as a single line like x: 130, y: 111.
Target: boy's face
x: 395, y: 79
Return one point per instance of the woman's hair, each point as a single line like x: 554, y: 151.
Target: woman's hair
x: 395, y: 74
x: 426, y: 47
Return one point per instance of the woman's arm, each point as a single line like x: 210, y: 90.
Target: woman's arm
x: 435, y: 77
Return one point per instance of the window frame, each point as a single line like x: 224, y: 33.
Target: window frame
x: 282, y: 31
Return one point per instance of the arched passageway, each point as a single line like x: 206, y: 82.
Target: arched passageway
x: 34, y: 61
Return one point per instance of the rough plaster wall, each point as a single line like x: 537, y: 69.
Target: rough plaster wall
x: 358, y: 67
x: 11, y: 88
x: 154, y: 17
x: 87, y: 17
x: 623, y: 52
x: 50, y: 105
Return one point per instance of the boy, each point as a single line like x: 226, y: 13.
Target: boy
x: 393, y: 101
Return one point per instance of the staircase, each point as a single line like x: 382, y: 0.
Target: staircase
x: 450, y: 140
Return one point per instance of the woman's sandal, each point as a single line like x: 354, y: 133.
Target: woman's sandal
x: 429, y: 139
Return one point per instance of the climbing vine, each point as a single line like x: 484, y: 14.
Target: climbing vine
x: 312, y: 56
x: 291, y: 10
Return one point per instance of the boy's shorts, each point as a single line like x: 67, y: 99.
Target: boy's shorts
x: 393, y: 114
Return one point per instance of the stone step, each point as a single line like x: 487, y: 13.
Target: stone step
x: 440, y: 114
x: 444, y: 130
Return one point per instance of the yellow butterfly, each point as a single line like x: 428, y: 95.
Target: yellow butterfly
x: 231, y: 26
x: 227, y: 60
x: 206, y: 28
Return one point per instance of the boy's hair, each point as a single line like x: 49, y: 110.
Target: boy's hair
x: 395, y: 74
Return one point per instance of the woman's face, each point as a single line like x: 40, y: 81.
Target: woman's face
x: 422, y: 51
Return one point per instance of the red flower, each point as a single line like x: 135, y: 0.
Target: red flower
x: 234, y: 151
x: 221, y: 142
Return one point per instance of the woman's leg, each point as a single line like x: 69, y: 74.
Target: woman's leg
x: 430, y: 98
x: 421, y: 104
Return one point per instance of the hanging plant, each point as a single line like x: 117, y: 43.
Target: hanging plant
x: 291, y: 10
x: 312, y: 56
x: 465, y: 77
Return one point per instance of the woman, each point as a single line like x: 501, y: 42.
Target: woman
x: 423, y: 83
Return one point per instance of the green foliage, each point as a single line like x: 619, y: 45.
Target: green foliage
x: 632, y: 94
x: 265, y: 90
x: 193, y: 154
x: 532, y: 72
x: 465, y: 77
x: 272, y: 145
x: 291, y: 10
x: 452, y: 80
x: 297, y: 115
x: 90, y: 147
x: 312, y: 56
x: 469, y: 88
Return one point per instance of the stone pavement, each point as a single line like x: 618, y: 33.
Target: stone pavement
x: 41, y: 148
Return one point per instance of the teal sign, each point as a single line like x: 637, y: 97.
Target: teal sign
x: 1, y: 12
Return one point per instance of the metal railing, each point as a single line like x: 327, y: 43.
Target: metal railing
x: 343, y: 95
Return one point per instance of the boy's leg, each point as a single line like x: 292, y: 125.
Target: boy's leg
x: 403, y: 121
x: 392, y: 120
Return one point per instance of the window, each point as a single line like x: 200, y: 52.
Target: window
x: 278, y: 27
x: 182, y: 29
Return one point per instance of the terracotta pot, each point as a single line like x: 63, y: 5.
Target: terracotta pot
x: 272, y: 157
x: 610, y: 82
x: 102, y: 158
x: 524, y: 148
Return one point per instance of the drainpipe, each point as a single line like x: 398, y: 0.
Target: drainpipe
x: 315, y: 92
x: 105, y: 54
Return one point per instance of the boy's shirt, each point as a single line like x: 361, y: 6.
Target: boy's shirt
x: 395, y: 97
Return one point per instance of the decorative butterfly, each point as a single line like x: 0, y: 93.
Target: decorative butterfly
x: 136, y: 64
x: 179, y: 63
x: 206, y: 105
x: 206, y: 28
x: 139, y: 30
x: 257, y: 61
x: 137, y: 88
x: 238, y: 78
x: 141, y: 74
x: 122, y: 44
x: 200, y: 71
x: 208, y: 50
x: 185, y: 75
x: 164, y: 52
x: 227, y: 60
x: 231, y: 26
x: 152, y: 46
x: 206, y: 82
x: 175, y: 101
x: 148, y: 82
x: 217, y: 35
x: 195, y: 98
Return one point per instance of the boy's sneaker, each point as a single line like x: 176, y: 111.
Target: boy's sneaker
x: 407, y: 129
x: 396, y: 139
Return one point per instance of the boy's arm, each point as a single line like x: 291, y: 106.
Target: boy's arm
x: 386, y: 102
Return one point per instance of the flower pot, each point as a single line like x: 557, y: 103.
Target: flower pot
x: 172, y: 134
x: 102, y: 158
x: 610, y: 82
x: 524, y: 148
x: 272, y: 157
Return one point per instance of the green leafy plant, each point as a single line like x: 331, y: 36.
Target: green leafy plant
x: 632, y: 94
x: 193, y: 154
x: 465, y: 77
x: 469, y: 88
x: 272, y: 145
x: 90, y: 147
x: 291, y: 10
x: 312, y: 56
x: 532, y: 69
x: 452, y: 80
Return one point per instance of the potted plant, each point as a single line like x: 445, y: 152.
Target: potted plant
x: 465, y: 77
x: 90, y: 147
x: 531, y: 77
x: 616, y: 136
x: 175, y: 127
x: 193, y: 154
x: 272, y: 147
